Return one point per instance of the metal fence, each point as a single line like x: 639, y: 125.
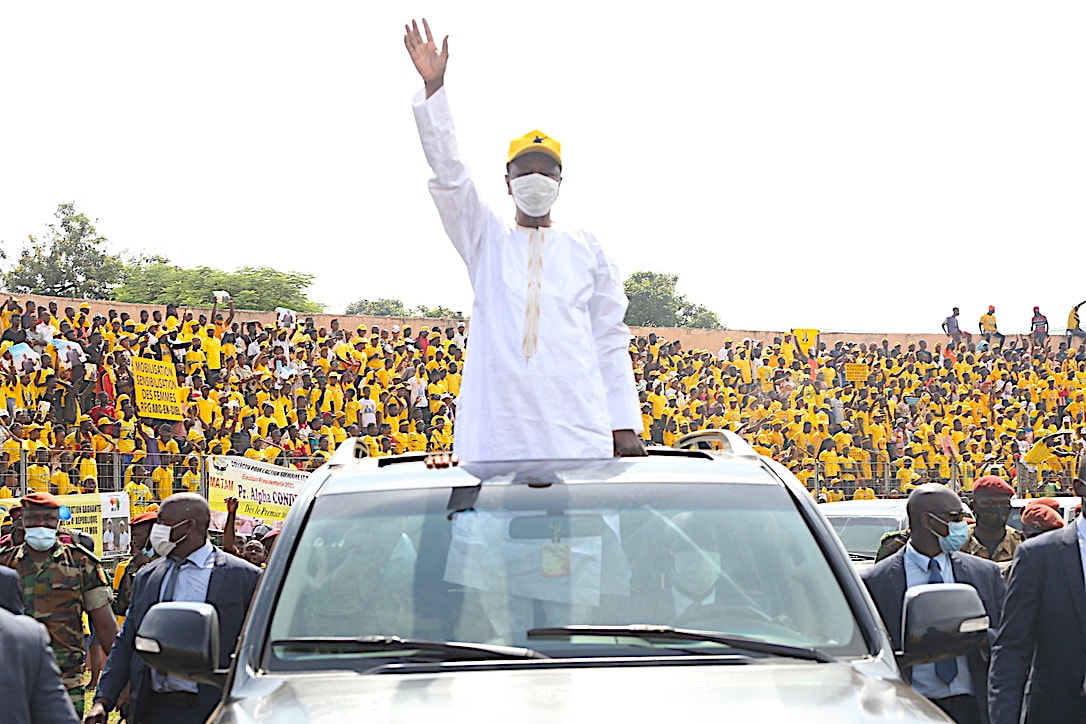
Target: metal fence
x: 1044, y: 479
x: 68, y: 472
x: 65, y: 471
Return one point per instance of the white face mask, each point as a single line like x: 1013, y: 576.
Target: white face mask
x: 534, y: 194
x: 41, y: 538
x: 160, y: 539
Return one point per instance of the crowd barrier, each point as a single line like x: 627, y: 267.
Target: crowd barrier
x: 882, y: 477
x: 113, y: 471
x: 165, y: 474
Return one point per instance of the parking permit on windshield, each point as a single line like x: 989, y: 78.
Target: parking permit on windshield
x: 556, y: 559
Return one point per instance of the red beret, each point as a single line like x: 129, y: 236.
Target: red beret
x: 1047, y: 502
x: 992, y: 485
x: 1041, y: 516
x: 149, y: 517
x: 44, y: 500
x: 269, y: 535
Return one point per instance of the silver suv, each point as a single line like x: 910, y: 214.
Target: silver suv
x: 694, y: 581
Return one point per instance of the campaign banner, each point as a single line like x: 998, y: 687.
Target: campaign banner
x: 68, y: 353
x: 24, y: 356
x: 805, y: 339
x: 157, y: 393
x: 102, y: 516
x: 264, y: 491
x: 855, y: 372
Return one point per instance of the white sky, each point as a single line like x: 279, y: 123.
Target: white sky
x: 840, y: 165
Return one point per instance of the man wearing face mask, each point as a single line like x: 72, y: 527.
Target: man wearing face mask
x: 141, y: 554
x: 188, y: 568
x: 957, y: 686
x: 60, y: 582
x: 990, y: 537
x: 548, y: 372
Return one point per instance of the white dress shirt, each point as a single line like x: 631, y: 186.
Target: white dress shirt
x: 193, y: 578
x: 924, y: 679
x: 548, y: 372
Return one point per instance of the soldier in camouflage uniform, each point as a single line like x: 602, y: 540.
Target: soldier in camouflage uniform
x: 990, y: 537
x: 60, y: 582
x: 142, y: 554
x: 891, y: 543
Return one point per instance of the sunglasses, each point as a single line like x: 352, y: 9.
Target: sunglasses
x: 952, y: 516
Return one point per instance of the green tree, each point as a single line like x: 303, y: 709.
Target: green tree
x: 437, y: 312
x: 378, y: 308
x: 653, y: 300
x: 700, y: 317
x: 153, y: 280
x: 656, y: 302
x: 71, y: 260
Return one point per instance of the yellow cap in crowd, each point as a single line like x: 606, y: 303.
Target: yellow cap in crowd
x: 535, y: 142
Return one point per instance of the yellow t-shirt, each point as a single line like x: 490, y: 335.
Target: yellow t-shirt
x: 162, y: 481
x: 139, y: 497
x: 63, y: 483
x: 88, y: 469
x: 37, y: 478
x: 190, y: 481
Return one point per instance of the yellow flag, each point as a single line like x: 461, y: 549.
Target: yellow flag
x: 805, y: 339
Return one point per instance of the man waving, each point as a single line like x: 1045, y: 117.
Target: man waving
x: 548, y: 372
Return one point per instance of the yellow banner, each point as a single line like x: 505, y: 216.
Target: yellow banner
x: 263, y: 491
x: 805, y: 339
x: 855, y: 372
x: 157, y: 393
x: 102, y: 516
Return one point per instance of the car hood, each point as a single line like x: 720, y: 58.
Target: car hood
x: 766, y: 692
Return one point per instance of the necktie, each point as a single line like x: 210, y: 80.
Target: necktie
x: 946, y: 669
x: 171, y: 578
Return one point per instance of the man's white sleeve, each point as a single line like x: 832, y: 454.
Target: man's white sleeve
x: 467, y: 220
x: 608, y: 309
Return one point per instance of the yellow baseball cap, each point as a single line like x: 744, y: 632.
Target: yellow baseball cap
x: 535, y: 142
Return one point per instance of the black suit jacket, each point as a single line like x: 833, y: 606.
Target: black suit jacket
x: 230, y: 591
x: 11, y: 591
x: 886, y: 582
x: 29, y: 676
x: 1044, y: 625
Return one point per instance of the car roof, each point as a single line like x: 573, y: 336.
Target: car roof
x: 864, y: 507
x: 1065, y: 502
x: 370, y: 474
x: 348, y: 471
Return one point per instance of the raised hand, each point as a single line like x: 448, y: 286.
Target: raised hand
x: 429, y: 61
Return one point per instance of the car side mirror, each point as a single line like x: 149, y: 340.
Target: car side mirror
x: 182, y: 639
x: 941, y: 621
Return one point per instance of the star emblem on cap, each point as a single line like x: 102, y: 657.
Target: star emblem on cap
x: 537, y: 139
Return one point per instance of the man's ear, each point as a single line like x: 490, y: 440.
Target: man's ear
x: 508, y: 186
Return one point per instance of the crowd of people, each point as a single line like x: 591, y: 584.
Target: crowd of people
x: 284, y: 394
x: 287, y: 393
x: 909, y: 413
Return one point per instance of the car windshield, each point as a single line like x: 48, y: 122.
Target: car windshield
x: 489, y: 565
x: 861, y: 533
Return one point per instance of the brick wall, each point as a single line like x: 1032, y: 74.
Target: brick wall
x: 711, y: 340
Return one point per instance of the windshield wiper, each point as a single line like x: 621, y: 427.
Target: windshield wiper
x: 454, y: 650
x: 668, y: 633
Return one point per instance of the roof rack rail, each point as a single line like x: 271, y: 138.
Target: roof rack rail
x: 347, y: 452
x: 410, y: 457
x: 713, y: 440
x: 353, y: 449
